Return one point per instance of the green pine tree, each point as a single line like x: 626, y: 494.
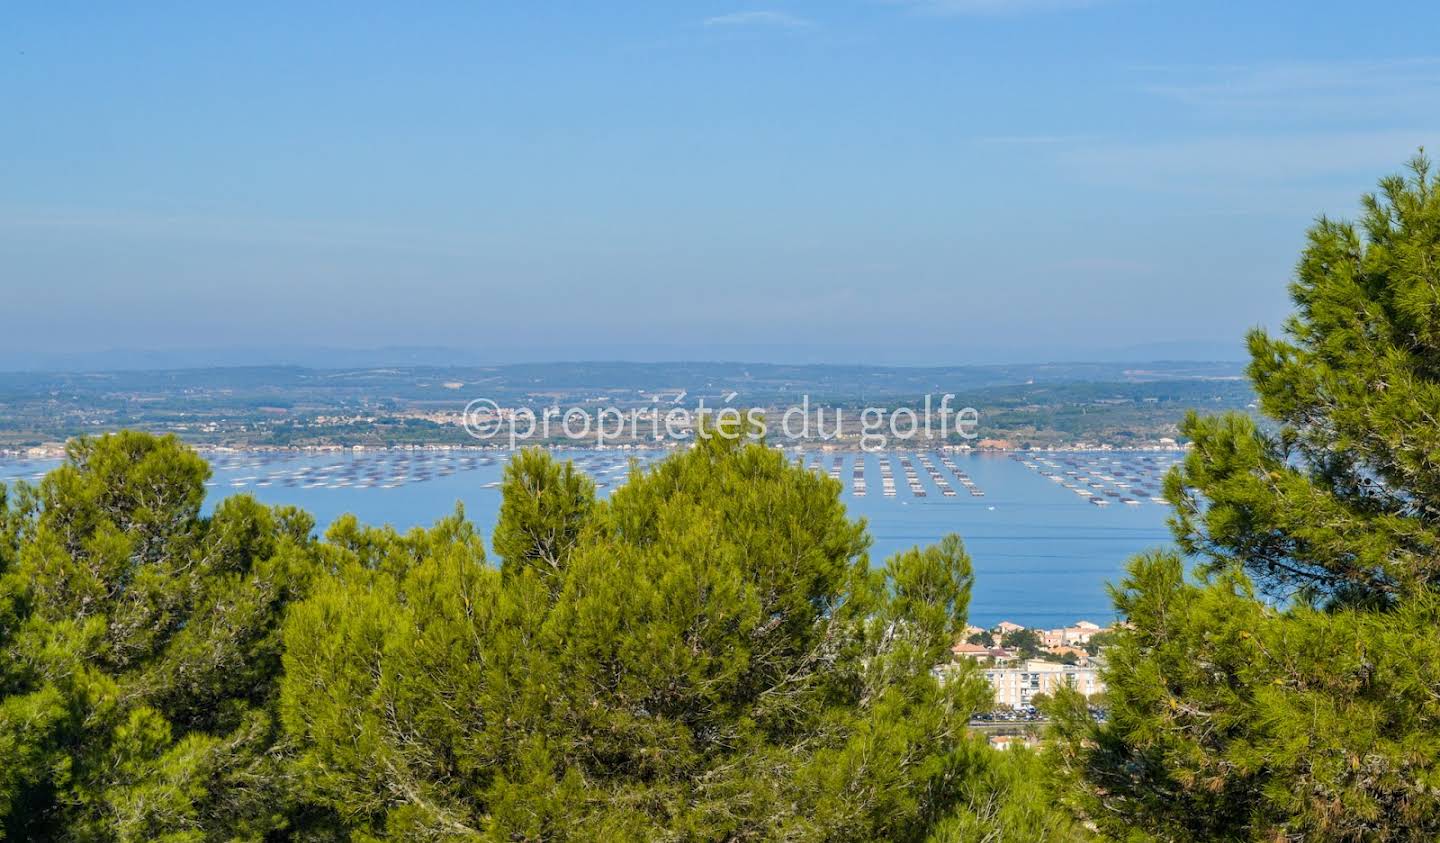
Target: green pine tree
x: 140, y: 650
x: 705, y: 656
x: 1291, y: 691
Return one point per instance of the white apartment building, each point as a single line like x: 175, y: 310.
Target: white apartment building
x: 1016, y: 686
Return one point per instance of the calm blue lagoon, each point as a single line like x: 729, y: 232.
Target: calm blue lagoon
x: 1043, y: 546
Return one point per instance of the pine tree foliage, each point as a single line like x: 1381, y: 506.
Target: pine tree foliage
x: 140, y: 650
x: 705, y: 656
x: 1293, y: 691
x: 545, y: 507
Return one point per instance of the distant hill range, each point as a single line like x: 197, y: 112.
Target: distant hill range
x: 380, y: 402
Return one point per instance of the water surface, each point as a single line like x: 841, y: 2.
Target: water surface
x: 1042, y: 552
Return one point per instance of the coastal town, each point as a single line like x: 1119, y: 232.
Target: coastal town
x: 1022, y: 664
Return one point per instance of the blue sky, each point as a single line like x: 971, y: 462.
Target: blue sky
x: 941, y: 181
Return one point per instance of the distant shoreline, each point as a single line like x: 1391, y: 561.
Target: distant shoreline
x: 57, y: 450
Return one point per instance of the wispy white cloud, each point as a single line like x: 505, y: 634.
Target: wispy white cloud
x: 762, y: 17
x: 1290, y: 90
x: 1286, y: 135
x: 993, y: 7
x: 1257, y: 158
x: 1294, y: 172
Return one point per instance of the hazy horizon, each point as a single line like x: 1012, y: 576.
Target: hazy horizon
x: 137, y: 359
